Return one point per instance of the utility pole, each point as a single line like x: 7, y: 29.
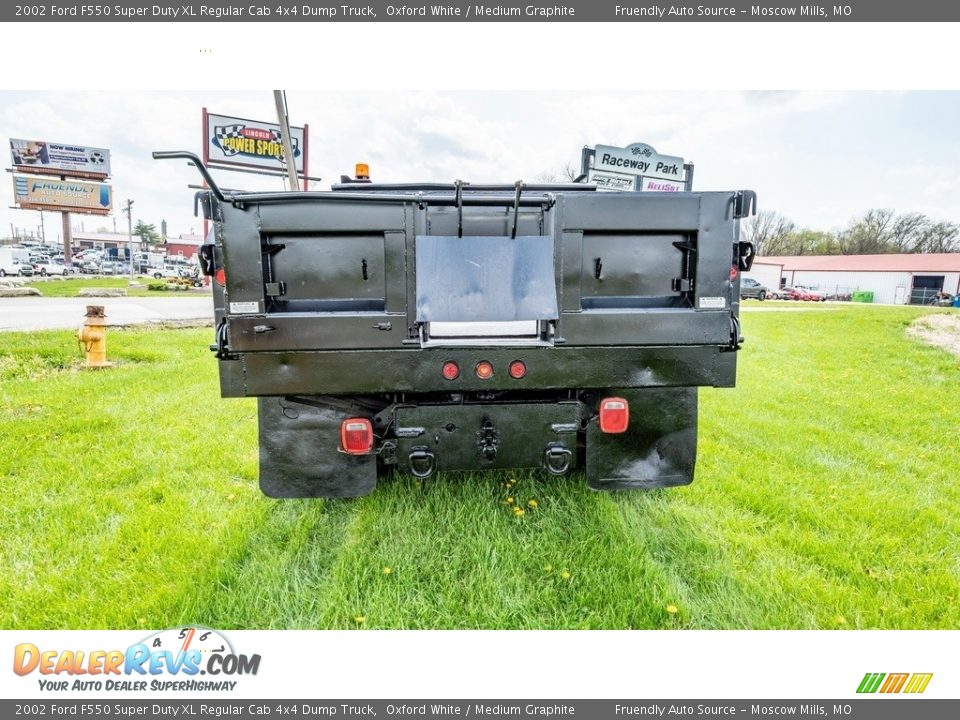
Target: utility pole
x: 128, y: 209
x: 280, y: 99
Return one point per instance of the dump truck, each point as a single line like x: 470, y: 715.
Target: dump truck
x: 432, y: 327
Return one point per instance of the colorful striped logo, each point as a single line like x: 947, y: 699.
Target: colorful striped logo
x: 894, y: 682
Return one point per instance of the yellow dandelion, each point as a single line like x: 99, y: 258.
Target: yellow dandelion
x: 360, y: 619
x: 532, y: 504
x: 386, y: 570
x: 518, y: 512
x: 565, y: 575
x: 509, y: 501
x: 672, y: 609
x: 548, y: 568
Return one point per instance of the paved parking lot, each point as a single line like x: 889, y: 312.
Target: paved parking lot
x: 35, y: 313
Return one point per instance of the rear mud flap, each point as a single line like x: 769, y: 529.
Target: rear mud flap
x: 659, y: 448
x: 299, y: 454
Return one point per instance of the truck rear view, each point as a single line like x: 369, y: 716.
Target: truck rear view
x: 424, y: 328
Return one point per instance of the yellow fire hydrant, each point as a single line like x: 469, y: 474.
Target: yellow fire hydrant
x: 92, y: 336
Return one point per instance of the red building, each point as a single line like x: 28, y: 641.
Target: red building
x: 185, y: 246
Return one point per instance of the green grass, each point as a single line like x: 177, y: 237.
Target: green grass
x: 69, y: 287
x: 827, y: 496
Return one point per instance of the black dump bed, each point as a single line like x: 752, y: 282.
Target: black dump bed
x: 367, y: 288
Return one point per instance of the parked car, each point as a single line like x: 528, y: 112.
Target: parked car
x: 813, y: 295
x: 49, y: 267
x: 15, y: 261
x: 750, y: 288
x: 109, y: 267
x: 167, y: 271
x: 791, y: 293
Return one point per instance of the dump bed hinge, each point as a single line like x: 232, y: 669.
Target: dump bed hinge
x: 744, y: 204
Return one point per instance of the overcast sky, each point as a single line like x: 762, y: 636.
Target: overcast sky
x: 819, y: 158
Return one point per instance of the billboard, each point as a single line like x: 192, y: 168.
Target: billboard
x: 50, y: 158
x: 238, y: 142
x: 40, y: 193
x: 639, y: 159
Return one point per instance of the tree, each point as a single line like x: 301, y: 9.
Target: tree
x: 769, y: 232
x: 148, y: 233
x: 938, y: 237
x: 869, y: 234
x: 567, y: 173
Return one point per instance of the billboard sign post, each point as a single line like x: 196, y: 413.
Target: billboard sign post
x: 41, y: 193
x: 40, y: 157
x: 241, y: 144
x: 636, y: 167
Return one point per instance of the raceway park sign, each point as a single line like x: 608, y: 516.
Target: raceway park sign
x: 49, y: 158
x: 638, y: 159
x: 38, y: 193
x: 238, y: 142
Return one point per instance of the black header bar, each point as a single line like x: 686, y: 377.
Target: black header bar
x: 461, y: 11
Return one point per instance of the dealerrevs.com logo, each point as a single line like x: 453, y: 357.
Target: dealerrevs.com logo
x: 169, y: 660
x: 889, y: 683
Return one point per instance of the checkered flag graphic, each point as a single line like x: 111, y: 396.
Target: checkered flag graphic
x: 223, y: 132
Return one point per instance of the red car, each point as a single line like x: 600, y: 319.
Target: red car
x: 792, y: 293
x: 813, y: 295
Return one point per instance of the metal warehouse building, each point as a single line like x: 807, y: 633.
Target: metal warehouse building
x: 893, y: 279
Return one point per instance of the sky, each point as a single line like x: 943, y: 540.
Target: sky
x: 820, y: 158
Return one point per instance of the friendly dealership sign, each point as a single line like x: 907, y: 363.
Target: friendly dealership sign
x: 40, y: 193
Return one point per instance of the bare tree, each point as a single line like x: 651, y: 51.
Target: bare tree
x: 938, y: 237
x: 907, y: 230
x: 566, y: 173
x: 868, y: 234
x: 769, y: 232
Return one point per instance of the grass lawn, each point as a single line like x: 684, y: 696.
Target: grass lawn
x: 70, y: 286
x: 827, y: 496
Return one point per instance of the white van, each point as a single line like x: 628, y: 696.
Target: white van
x: 15, y: 261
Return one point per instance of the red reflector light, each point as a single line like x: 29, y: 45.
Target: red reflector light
x: 734, y: 271
x: 614, y: 415
x: 484, y: 370
x: 450, y: 371
x: 356, y: 436
x: 517, y: 369
x: 221, y: 277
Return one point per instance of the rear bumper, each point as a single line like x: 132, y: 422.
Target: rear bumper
x: 393, y: 371
x: 300, y: 456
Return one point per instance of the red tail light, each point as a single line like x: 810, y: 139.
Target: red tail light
x: 450, y: 370
x: 221, y: 277
x: 517, y: 369
x: 484, y: 370
x: 734, y: 271
x: 614, y: 415
x: 356, y: 436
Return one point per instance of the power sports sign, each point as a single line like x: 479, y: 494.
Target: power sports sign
x: 653, y: 171
x: 242, y: 143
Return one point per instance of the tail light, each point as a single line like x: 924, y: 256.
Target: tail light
x: 221, y: 277
x: 450, y: 370
x: 356, y: 436
x: 614, y: 415
x: 484, y: 370
x: 517, y: 369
